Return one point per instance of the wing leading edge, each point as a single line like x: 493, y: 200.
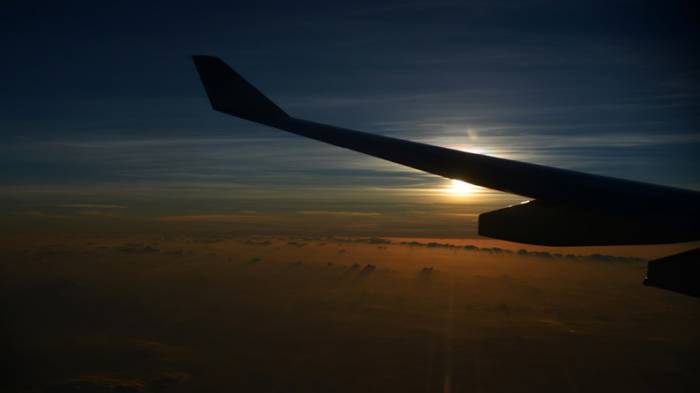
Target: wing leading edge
x: 571, y: 208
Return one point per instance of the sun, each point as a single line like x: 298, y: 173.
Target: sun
x: 460, y: 188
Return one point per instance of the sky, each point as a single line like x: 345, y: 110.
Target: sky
x: 105, y: 124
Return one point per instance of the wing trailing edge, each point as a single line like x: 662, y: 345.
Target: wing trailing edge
x: 560, y: 225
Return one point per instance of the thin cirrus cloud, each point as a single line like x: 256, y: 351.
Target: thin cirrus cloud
x: 90, y: 206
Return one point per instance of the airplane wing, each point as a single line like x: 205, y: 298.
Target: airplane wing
x: 567, y: 208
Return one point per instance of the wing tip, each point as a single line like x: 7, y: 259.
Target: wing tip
x: 230, y: 93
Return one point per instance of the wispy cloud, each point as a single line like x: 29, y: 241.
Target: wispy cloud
x: 90, y: 206
x: 209, y: 217
x: 338, y: 213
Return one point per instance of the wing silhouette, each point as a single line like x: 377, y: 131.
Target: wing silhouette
x: 567, y: 208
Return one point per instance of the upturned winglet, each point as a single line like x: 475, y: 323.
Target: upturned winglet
x: 229, y: 93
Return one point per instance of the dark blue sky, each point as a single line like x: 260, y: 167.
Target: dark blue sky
x: 100, y: 104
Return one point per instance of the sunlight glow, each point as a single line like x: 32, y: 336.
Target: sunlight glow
x: 460, y: 188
